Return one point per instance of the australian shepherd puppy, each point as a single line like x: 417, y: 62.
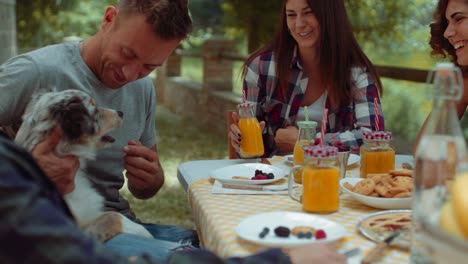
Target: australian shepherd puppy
x: 84, y: 128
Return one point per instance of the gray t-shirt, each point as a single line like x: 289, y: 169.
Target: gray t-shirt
x: 61, y: 66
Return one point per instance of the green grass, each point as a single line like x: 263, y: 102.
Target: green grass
x: 179, y: 140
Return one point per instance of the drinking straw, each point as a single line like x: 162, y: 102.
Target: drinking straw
x: 243, y: 96
x: 376, y: 114
x: 306, y: 113
x: 324, y: 125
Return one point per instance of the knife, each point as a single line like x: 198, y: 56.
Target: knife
x: 375, y: 252
x: 255, y: 187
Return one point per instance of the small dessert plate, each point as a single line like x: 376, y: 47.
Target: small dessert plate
x: 246, y: 170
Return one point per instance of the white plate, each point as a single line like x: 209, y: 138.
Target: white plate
x: 376, y: 202
x: 353, y: 158
x: 225, y: 174
x: 250, y: 228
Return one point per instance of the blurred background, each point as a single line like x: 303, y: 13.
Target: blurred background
x: 391, y: 32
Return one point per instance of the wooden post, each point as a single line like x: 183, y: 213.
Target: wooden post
x: 7, y: 29
x: 217, y: 71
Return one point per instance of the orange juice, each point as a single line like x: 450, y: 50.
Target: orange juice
x: 377, y: 161
x: 321, y: 189
x: 299, y: 157
x: 299, y: 152
x: 252, y: 141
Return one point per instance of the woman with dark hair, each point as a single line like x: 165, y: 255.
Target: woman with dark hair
x: 449, y: 36
x: 315, y: 61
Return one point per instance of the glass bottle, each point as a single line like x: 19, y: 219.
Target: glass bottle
x: 377, y: 153
x: 305, y: 137
x: 319, y: 192
x: 251, y: 145
x: 440, y: 148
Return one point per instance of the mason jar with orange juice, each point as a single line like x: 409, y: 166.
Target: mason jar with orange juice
x: 319, y: 191
x: 305, y: 136
x: 377, y: 153
x: 252, y: 141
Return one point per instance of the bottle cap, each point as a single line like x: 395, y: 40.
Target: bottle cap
x: 245, y: 105
x: 317, y: 151
x: 377, y: 135
x: 306, y: 124
x: 445, y: 68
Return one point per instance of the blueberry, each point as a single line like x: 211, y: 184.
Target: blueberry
x: 264, y: 232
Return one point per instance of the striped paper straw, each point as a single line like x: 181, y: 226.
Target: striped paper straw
x: 244, y: 97
x: 324, y: 125
x: 376, y: 114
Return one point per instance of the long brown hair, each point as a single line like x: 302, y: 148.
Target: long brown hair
x: 339, y: 50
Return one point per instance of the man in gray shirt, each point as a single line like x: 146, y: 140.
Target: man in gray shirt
x: 112, y: 66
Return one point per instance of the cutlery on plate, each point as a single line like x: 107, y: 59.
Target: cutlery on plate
x: 376, y: 252
x: 255, y: 187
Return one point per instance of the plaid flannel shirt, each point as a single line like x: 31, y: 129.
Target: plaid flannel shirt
x: 345, y: 123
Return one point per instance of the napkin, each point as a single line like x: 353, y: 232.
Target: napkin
x: 218, y: 189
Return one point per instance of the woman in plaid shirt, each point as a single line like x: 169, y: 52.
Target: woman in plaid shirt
x: 315, y: 61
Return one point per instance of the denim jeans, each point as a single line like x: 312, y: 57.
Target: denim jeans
x: 167, y: 239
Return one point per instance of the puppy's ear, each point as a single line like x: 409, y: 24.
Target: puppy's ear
x: 73, y: 117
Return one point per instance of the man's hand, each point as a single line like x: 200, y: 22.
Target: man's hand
x: 285, y: 139
x: 144, y: 172
x: 316, y: 253
x: 60, y: 170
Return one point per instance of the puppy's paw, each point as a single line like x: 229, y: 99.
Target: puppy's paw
x: 105, y: 226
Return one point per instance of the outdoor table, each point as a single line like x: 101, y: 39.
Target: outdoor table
x: 217, y: 215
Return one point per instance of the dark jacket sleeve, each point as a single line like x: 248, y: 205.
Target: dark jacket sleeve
x: 272, y: 256
x: 36, y: 225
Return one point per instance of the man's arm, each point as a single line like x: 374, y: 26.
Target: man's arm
x: 145, y: 174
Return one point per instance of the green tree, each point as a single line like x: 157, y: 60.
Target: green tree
x: 257, y: 19
x: 30, y: 15
x: 44, y: 22
x: 385, y: 23
x: 206, y: 14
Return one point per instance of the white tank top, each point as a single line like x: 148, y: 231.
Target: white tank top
x: 315, y: 110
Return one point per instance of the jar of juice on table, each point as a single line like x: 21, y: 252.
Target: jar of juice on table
x: 319, y: 191
x: 377, y: 153
x: 305, y: 137
x: 251, y: 145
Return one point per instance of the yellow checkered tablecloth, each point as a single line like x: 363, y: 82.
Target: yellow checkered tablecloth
x: 216, y: 217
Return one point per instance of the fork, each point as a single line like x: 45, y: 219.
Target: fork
x: 351, y: 253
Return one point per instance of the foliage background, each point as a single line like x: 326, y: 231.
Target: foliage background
x: 391, y: 32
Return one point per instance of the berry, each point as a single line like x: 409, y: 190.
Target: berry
x: 341, y: 147
x: 338, y: 143
x: 264, y: 232
x: 282, y: 231
x: 308, y: 234
x: 259, y: 177
x: 320, y: 234
x: 270, y: 176
x: 317, y: 141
